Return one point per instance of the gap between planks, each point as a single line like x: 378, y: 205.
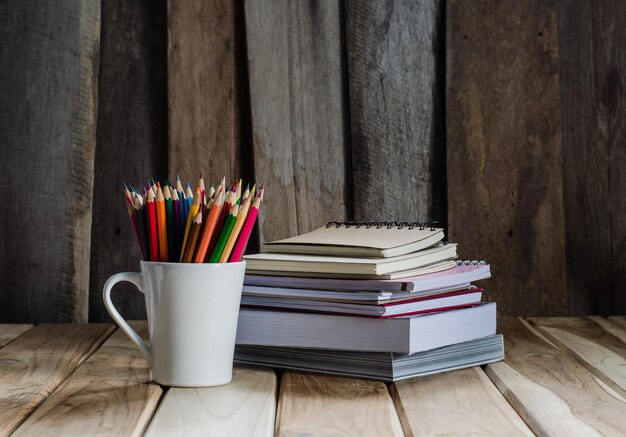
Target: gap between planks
x: 595, y: 343
x: 38, y: 361
x: 245, y: 407
x: 313, y: 404
x: 463, y: 402
x: 550, y: 391
x: 10, y: 331
x: 110, y: 394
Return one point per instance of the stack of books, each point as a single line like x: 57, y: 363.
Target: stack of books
x: 380, y: 300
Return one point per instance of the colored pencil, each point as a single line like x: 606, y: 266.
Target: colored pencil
x: 189, y: 197
x: 202, y: 190
x: 151, y: 223
x: 224, y: 234
x: 134, y: 218
x: 244, y: 236
x: 209, y: 229
x: 232, y: 238
x: 161, y: 224
x: 196, y: 226
x: 193, y: 210
x: 178, y: 232
x: 169, y: 219
x: 228, y: 204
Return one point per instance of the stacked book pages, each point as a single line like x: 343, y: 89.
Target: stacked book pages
x: 380, y: 300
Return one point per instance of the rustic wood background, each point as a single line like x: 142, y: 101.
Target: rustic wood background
x: 503, y: 120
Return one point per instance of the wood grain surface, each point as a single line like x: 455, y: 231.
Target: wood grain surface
x: 612, y: 26
x: 611, y: 326
x: 245, y: 407
x: 505, y: 198
x: 463, y: 402
x: 37, y: 362
x: 618, y: 320
x: 203, y: 90
x: 9, y: 332
x: 552, y: 393
x: 585, y: 159
x: 313, y: 404
x: 298, y: 121
x: 48, y: 84
x: 110, y: 394
x: 392, y: 50
x: 131, y: 140
x: 598, y: 350
x: 592, y: 60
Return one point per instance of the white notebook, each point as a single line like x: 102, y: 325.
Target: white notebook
x: 405, y: 335
x: 361, y: 239
x: 458, y: 273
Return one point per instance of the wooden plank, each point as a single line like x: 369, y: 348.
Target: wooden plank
x: 131, y: 139
x: 37, y: 362
x: 599, y: 351
x: 9, y: 331
x: 611, y: 326
x: 611, y: 25
x: 463, y: 402
x: 552, y: 393
x: 618, y: 320
x: 392, y: 49
x: 245, y: 407
x: 298, y: 120
x: 313, y: 404
x: 110, y: 394
x: 591, y: 59
x: 505, y: 199
x: 203, y: 90
x: 48, y: 86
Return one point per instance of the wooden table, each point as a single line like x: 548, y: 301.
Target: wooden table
x: 562, y: 376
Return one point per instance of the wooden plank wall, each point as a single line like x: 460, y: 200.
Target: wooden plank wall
x: 298, y: 114
x: 392, y: 52
x: 592, y: 58
x: 504, y: 121
x: 48, y: 84
x: 505, y: 197
x: 131, y: 138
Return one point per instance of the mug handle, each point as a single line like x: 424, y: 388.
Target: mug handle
x: 133, y: 278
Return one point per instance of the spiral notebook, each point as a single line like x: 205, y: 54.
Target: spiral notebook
x: 361, y: 239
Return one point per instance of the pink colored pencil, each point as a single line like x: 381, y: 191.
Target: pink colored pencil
x: 244, y: 236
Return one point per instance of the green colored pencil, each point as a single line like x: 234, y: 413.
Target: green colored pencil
x: 224, y: 234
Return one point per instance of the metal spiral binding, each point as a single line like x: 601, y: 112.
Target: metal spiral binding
x: 388, y: 224
x: 470, y: 263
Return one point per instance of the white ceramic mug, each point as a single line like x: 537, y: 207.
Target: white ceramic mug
x: 192, y: 319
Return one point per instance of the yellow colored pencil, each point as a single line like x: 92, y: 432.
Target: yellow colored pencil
x: 194, y: 232
x: 232, y: 238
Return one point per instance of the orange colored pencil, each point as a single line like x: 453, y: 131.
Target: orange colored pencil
x: 209, y: 229
x: 194, y: 231
x: 161, y: 224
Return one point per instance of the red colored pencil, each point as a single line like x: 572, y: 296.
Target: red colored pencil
x: 151, y: 221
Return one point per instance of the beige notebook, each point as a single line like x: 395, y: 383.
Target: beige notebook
x: 269, y: 263
x: 361, y: 240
